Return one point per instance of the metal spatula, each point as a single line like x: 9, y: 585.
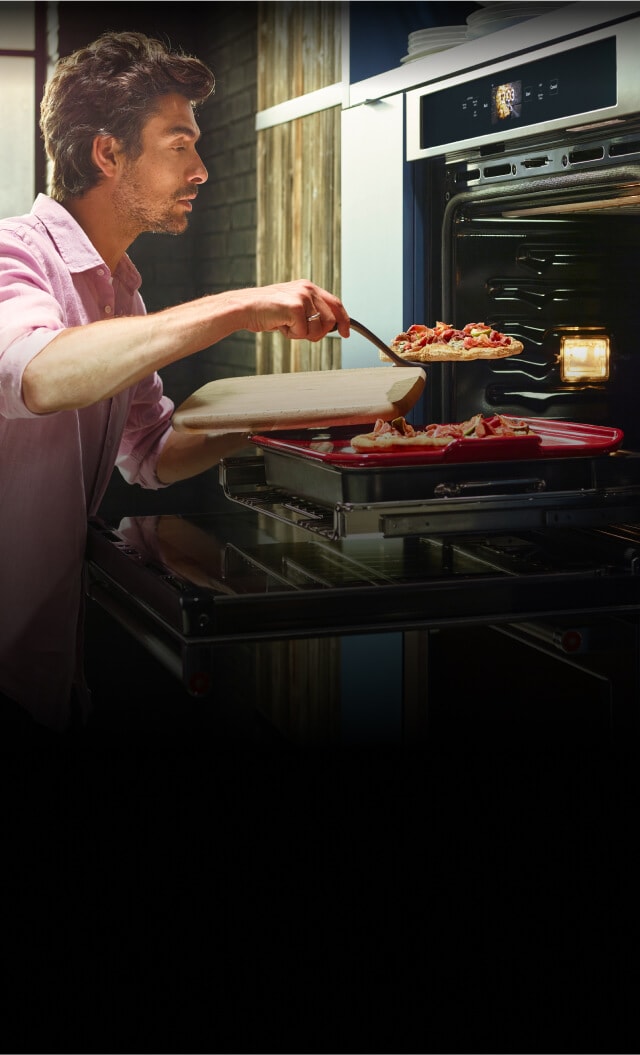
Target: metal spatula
x: 364, y: 332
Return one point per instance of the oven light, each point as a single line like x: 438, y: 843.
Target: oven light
x: 584, y: 358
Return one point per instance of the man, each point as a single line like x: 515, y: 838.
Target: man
x: 79, y: 388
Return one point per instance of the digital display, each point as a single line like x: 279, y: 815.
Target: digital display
x: 506, y: 102
x: 575, y: 81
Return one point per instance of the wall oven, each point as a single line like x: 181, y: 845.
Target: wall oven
x: 525, y: 211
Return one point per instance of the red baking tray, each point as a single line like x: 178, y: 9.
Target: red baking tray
x: 550, y: 439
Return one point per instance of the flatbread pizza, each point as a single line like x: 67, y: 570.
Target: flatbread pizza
x: 443, y: 343
x: 399, y: 433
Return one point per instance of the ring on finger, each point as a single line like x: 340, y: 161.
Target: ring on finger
x: 312, y: 318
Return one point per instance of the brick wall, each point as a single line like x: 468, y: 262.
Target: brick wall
x: 226, y: 235
x: 218, y: 251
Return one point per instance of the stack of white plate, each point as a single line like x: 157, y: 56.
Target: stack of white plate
x: 428, y: 41
x: 501, y: 15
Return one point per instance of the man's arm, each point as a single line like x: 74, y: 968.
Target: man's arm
x: 185, y: 455
x: 85, y: 364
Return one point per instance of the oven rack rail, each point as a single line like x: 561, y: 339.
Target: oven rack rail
x: 243, y: 482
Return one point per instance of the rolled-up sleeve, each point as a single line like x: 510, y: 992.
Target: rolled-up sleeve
x: 146, y: 430
x: 30, y: 317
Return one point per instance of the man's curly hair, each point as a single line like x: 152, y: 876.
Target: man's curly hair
x: 111, y: 86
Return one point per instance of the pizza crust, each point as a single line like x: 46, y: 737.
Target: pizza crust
x: 438, y: 353
x: 386, y: 441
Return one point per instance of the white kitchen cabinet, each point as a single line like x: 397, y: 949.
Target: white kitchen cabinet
x: 372, y: 222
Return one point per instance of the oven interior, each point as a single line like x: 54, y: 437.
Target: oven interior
x: 542, y: 244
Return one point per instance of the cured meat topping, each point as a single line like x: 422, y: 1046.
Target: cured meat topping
x: 473, y: 335
x: 476, y: 340
x: 400, y: 432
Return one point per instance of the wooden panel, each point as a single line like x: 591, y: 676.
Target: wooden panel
x: 299, y: 50
x: 298, y: 689
x: 298, y: 226
x: 298, y: 236
x: 298, y: 171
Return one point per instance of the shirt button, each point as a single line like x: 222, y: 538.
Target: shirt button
x: 108, y: 309
x: 101, y: 271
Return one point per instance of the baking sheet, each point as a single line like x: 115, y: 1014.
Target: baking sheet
x: 550, y: 439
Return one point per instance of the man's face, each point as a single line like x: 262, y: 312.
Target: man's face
x: 154, y: 192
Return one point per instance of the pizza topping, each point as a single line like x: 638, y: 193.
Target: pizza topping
x: 443, y: 341
x: 475, y: 427
x: 478, y: 427
x: 472, y: 335
x: 400, y: 433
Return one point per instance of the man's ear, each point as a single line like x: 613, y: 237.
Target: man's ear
x: 105, y: 154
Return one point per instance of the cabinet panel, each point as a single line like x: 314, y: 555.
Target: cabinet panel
x: 372, y: 223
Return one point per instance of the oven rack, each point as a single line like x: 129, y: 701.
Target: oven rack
x: 244, y: 482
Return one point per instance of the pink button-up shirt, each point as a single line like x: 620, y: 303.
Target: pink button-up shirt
x: 55, y: 468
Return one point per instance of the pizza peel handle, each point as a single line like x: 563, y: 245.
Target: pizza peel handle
x: 379, y: 343
x: 308, y: 399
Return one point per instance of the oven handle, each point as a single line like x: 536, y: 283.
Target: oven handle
x: 519, y: 485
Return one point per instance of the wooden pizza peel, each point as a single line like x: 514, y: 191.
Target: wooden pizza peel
x: 308, y: 399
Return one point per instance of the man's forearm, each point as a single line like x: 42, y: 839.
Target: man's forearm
x: 85, y: 364
x: 185, y: 455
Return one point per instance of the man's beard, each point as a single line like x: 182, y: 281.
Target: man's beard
x: 139, y: 215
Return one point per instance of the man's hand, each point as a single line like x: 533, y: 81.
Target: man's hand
x: 300, y: 310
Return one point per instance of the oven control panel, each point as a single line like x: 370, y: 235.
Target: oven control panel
x: 588, y: 80
x: 556, y: 86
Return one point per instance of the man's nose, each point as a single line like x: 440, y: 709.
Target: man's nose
x: 200, y: 174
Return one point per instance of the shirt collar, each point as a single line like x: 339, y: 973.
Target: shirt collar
x: 75, y: 248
